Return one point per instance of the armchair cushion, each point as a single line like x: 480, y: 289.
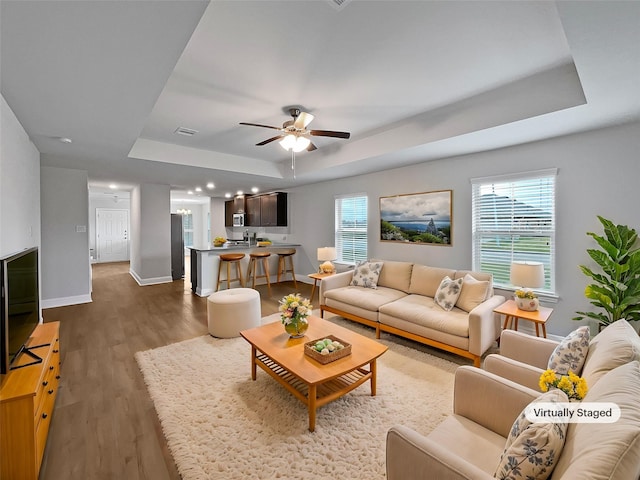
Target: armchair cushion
x: 571, y: 352
x: 532, y: 449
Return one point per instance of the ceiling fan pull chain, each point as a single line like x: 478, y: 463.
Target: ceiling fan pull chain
x: 293, y: 162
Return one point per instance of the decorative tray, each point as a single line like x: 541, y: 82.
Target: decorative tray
x: 324, y: 358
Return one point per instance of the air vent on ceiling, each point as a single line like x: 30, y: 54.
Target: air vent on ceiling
x: 339, y: 4
x: 189, y: 132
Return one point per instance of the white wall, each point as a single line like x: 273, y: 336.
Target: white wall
x: 19, y: 186
x: 151, y: 234
x: 598, y: 174
x: 66, y: 274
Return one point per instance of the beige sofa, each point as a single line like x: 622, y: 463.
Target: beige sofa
x: 403, y: 304
x: 469, y: 443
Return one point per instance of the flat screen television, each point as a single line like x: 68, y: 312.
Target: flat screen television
x: 20, y: 306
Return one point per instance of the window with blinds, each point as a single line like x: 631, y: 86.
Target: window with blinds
x: 351, y: 228
x: 514, y: 220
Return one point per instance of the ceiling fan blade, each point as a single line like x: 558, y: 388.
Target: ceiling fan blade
x: 329, y: 133
x: 302, y: 120
x: 272, y: 139
x: 311, y: 147
x: 259, y: 125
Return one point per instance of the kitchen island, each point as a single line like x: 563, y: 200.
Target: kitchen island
x: 205, y: 262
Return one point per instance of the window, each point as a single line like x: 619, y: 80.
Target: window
x: 351, y: 228
x: 187, y: 227
x: 514, y: 220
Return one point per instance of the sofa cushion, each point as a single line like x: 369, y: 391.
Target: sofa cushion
x: 366, y: 298
x: 571, y: 352
x: 448, y: 293
x: 366, y: 274
x: 425, y: 312
x: 616, y: 345
x: 480, y: 276
x: 426, y: 280
x: 533, y: 449
x: 606, y: 450
x: 396, y: 275
x: 473, y: 293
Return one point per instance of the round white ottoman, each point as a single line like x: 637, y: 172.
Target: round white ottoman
x: 233, y: 310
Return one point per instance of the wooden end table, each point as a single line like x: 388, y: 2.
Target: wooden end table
x: 311, y: 382
x: 512, y: 313
x: 316, y: 277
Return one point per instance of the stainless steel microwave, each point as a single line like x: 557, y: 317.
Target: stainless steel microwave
x: 238, y: 219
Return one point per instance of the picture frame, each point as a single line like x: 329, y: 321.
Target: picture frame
x: 417, y: 218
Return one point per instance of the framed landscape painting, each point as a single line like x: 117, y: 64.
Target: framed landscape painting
x: 418, y: 218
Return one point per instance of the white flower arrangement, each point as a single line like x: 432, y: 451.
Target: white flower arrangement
x: 293, y: 308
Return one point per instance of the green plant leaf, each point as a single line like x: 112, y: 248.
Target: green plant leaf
x: 606, y: 245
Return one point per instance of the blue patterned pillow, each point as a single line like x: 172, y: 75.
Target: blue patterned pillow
x: 571, y: 352
x: 366, y: 274
x: 532, y: 449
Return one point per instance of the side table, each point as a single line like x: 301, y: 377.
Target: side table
x: 512, y: 313
x: 316, y: 277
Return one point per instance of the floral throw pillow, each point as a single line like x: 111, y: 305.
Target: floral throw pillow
x: 448, y: 293
x: 532, y: 449
x: 366, y: 274
x: 571, y: 352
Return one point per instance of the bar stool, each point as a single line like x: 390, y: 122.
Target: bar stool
x: 254, y: 259
x: 283, y: 255
x: 229, y: 259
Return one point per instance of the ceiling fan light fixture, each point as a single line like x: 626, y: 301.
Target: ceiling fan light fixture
x: 295, y: 143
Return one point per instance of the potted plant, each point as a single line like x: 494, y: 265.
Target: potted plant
x: 616, y: 290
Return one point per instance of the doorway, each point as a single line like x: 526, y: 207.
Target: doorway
x: 112, y: 235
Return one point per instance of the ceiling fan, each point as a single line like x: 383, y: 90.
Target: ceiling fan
x: 294, y: 134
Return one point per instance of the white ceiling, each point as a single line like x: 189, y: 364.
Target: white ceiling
x: 411, y: 80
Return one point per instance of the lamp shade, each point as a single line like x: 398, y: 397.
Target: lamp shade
x: 295, y: 143
x: 527, y: 274
x: 327, y: 254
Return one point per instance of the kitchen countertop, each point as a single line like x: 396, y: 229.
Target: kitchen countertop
x: 210, y: 248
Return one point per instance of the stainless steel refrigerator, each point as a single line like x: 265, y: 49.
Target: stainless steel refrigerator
x: 177, y: 247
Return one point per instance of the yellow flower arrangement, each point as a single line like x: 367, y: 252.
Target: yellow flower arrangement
x: 574, y: 386
x: 524, y: 294
x: 219, y: 241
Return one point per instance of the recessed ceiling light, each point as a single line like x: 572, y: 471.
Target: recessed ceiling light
x: 190, y: 192
x: 113, y: 186
x: 65, y: 140
x: 227, y: 195
x: 210, y: 185
x: 198, y: 189
x: 254, y: 189
x: 239, y: 192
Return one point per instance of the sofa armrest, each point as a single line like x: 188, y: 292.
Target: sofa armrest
x: 489, y: 400
x: 412, y: 456
x: 526, y: 348
x: 484, y: 325
x: 338, y: 280
x: 513, y: 370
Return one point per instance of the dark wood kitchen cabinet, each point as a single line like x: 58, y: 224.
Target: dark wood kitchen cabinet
x: 228, y: 213
x: 238, y: 204
x: 253, y: 204
x: 273, y: 209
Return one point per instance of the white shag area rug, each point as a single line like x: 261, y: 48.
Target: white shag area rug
x: 219, y: 424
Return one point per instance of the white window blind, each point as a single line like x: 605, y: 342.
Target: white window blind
x: 351, y: 228
x: 514, y: 220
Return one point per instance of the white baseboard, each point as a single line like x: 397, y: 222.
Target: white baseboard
x: 65, y: 301
x: 150, y: 281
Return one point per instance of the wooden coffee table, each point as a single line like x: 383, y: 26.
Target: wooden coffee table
x: 313, y: 383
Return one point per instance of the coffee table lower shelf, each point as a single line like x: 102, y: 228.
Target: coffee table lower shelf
x: 315, y: 395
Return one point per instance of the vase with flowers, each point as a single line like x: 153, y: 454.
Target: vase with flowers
x: 294, y: 311
x: 526, y: 300
x: 574, y: 386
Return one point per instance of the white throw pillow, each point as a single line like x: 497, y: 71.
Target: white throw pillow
x: 532, y: 449
x: 571, y: 352
x: 448, y: 293
x: 366, y: 274
x: 473, y: 293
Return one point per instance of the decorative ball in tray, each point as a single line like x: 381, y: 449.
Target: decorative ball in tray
x: 327, y: 349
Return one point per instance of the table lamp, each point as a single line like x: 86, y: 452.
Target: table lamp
x: 327, y: 255
x: 527, y: 275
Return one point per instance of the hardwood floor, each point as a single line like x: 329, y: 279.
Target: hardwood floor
x: 104, y: 424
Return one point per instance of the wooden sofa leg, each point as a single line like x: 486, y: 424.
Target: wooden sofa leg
x: 378, y: 332
x: 476, y: 361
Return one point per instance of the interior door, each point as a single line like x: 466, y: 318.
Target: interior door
x: 112, y: 235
